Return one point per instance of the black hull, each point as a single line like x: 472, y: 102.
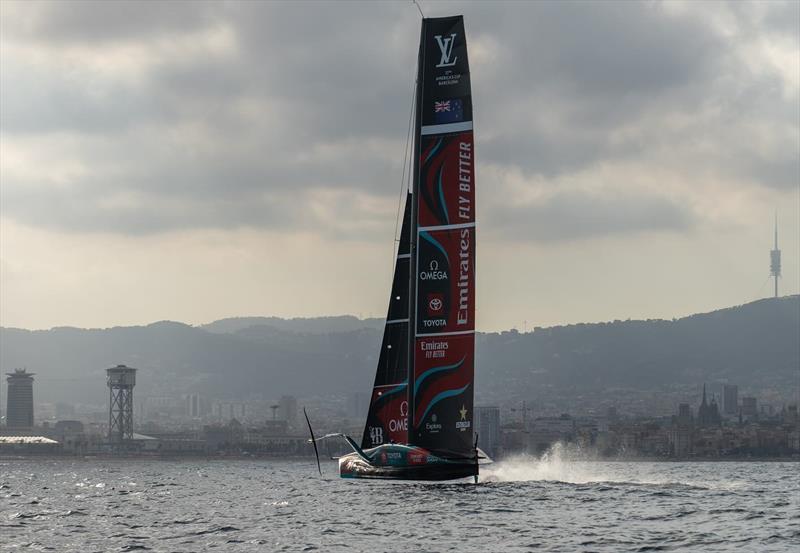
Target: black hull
x: 352, y: 466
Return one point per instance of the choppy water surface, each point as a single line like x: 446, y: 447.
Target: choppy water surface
x: 524, y: 504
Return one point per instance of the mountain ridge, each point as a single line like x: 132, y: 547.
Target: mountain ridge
x: 754, y: 344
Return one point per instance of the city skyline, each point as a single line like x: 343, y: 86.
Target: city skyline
x: 191, y: 162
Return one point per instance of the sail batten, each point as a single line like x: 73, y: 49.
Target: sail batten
x: 449, y: 127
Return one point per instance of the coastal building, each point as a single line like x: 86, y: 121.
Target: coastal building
x: 224, y: 411
x: 730, y: 399
x: 789, y: 415
x: 19, y: 406
x: 708, y: 413
x: 680, y: 434
x: 487, y: 428
x: 793, y: 440
x: 749, y: 408
x: 358, y: 405
x: 71, y: 435
x: 275, y: 427
x: 679, y: 439
x: 193, y: 406
x: 546, y: 431
x: 287, y: 409
x: 685, y: 414
x: 64, y: 411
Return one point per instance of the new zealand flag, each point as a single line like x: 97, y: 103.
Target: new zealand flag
x: 448, y: 111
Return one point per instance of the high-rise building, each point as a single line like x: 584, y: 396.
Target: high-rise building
x: 749, y: 407
x: 487, y: 427
x: 730, y: 399
x: 193, y: 406
x: 685, y: 413
x: 19, y: 406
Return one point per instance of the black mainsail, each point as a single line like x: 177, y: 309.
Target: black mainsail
x: 443, y: 245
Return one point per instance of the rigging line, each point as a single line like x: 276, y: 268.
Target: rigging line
x: 406, y: 162
x: 418, y: 8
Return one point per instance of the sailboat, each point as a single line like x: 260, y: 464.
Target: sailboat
x: 420, y: 420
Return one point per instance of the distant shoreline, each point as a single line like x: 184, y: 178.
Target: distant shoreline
x: 194, y: 458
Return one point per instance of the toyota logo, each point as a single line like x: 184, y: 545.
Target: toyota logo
x: 435, y: 304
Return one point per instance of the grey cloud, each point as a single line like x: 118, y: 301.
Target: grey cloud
x: 35, y: 101
x: 780, y: 17
x: 306, y: 76
x: 98, y: 210
x: 98, y: 22
x: 615, y: 48
x: 574, y: 215
x: 782, y: 173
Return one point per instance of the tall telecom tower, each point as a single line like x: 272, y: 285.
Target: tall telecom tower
x: 121, y: 380
x: 775, y: 259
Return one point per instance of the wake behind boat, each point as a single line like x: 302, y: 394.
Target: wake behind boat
x: 419, y: 424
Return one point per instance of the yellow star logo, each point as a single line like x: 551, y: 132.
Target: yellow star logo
x: 463, y: 413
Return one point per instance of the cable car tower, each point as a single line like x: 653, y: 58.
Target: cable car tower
x: 121, y: 380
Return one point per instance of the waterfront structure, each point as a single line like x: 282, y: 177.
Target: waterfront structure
x: 487, y: 429
x: 19, y: 406
x: 27, y: 445
x: 121, y: 380
x: 71, y: 435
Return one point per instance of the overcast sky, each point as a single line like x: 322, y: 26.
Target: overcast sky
x: 193, y: 161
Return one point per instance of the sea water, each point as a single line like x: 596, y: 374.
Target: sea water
x: 521, y: 504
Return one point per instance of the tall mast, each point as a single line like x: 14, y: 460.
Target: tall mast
x: 412, y: 266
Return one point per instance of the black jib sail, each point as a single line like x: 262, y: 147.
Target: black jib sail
x: 387, y: 420
x: 442, y: 350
